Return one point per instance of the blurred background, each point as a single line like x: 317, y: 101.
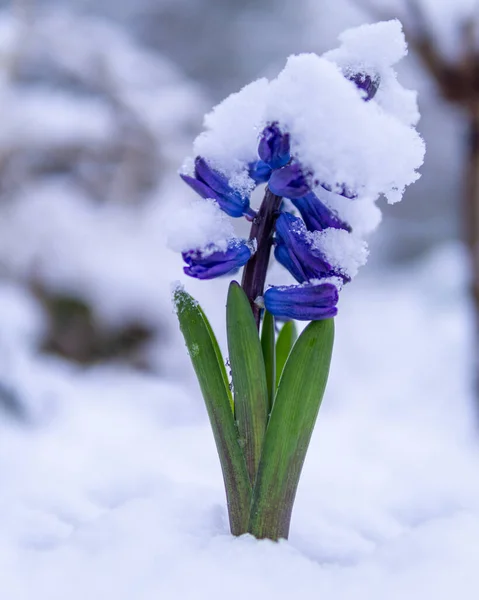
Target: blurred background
x: 99, y: 104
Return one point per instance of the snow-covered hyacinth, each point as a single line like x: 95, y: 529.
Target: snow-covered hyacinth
x: 331, y: 134
x: 326, y: 140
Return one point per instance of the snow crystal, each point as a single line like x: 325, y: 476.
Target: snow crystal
x: 344, y: 251
x: 362, y: 214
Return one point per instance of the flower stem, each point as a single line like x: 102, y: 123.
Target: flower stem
x: 254, y: 274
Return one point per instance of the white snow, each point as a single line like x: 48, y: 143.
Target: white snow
x: 200, y: 224
x: 443, y: 19
x: 92, y: 134
x: 344, y: 250
x: 114, y: 488
x: 359, y: 53
x: 232, y: 129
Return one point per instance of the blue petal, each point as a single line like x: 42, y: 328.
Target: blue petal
x: 208, y: 183
x: 293, y: 250
x: 273, y: 147
x: 208, y: 263
x: 200, y: 188
x: 259, y: 171
x: 368, y: 84
x: 305, y: 303
x: 216, y: 181
x: 316, y: 215
x: 289, y: 261
x: 289, y: 182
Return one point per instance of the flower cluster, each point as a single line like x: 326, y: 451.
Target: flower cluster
x: 329, y: 135
x: 316, y: 295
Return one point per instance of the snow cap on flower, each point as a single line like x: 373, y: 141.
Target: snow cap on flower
x: 334, y: 134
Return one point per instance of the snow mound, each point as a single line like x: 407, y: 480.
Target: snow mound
x: 114, y: 489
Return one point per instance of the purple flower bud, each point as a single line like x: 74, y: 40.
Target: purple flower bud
x: 273, y: 147
x: 316, y: 215
x: 289, y: 182
x: 259, y: 171
x: 302, y: 302
x: 208, y: 183
x: 368, y: 84
x: 293, y: 250
x: 209, y: 263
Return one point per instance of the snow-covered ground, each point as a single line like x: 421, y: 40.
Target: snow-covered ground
x: 113, y: 488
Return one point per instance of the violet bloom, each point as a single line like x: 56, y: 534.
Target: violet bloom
x: 368, y: 84
x: 259, y: 171
x: 294, y: 251
x: 209, y: 263
x: 209, y: 183
x: 289, y: 182
x: 273, y: 147
x: 312, y: 302
x: 316, y: 215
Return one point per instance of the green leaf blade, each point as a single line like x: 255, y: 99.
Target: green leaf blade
x: 249, y: 377
x: 286, y: 339
x: 211, y: 373
x: 267, y: 344
x: 290, y: 427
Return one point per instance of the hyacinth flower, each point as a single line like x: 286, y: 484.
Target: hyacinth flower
x: 321, y: 178
x: 274, y: 147
x: 293, y: 249
x: 316, y: 215
x: 295, y: 302
x: 211, y: 262
x: 368, y: 84
x: 209, y: 183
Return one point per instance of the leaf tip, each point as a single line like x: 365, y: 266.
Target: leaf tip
x: 180, y: 297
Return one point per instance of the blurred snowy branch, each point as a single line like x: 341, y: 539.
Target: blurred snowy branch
x: 92, y: 128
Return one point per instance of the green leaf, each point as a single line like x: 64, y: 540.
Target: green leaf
x: 289, y: 430
x: 286, y: 338
x: 219, y: 357
x: 210, y: 371
x: 267, y: 344
x: 248, y: 373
